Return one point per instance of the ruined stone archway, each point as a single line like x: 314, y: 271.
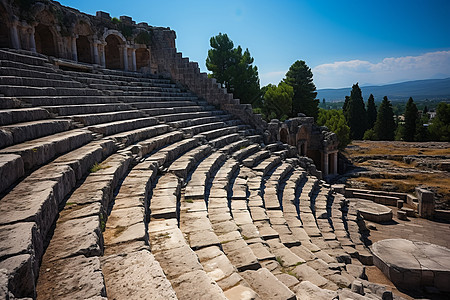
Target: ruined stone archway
x: 284, y: 136
x: 84, y: 49
x: 113, y: 52
x: 45, y: 42
x: 142, y: 59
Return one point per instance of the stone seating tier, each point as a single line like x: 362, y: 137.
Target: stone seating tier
x: 139, y: 187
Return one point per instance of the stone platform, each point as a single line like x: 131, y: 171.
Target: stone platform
x: 412, y: 265
x: 373, y: 211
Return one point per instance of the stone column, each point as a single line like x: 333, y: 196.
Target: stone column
x: 325, y: 164
x: 103, y: 59
x: 32, y: 40
x: 133, y: 59
x: 335, y: 161
x: 96, y: 56
x: 125, y: 58
x: 74, y: 48
x: 15, y: 36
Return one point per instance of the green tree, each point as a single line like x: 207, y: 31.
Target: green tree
x: 384, y: 128
x: 345, y: 106
x: 304, y: 101
x: 233, y: 68
x: 371, y: 112
x: 277, y: 101
x: 411, y: 116
x: 440, y: 125
x: 356, y: 113
x: 334, y: 120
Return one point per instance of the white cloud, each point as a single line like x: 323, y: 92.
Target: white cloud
x: 389, y: 70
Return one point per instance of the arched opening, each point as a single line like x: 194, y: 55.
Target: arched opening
x: 84, y: 49
x: 142, y: 59
x: 5, y: 39
x: 284, y: 136
x: 113, y: 57
x: 45, y: 42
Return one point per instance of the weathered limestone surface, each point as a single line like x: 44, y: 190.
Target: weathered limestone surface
x: 267, y: 285
x: 136, y: 275
x: 411, y: 264
x: 11, y: 169
x: 309, y: 291
x: 373, y: 211
x: 65, y: 279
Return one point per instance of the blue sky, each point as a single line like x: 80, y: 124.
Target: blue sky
x: 372, y: 42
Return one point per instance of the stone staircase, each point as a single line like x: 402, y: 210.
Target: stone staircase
x: 126, y: 186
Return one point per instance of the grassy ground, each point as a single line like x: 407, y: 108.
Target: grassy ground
x: 386, y: 169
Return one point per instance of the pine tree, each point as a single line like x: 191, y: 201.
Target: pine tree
x: 304, y: 101
x: 411, y: 116
x: 233, y: 69
x: 356, y: 113
x: 384, y: 128
x: 371, y: 112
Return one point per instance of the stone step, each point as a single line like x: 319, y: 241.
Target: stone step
x: 183, y: 165
x: 79, y: 230
x: 149, y: 93
x: 246, y: 151
x: 40, y: 151
x: 11, y: 103
x: 128, y: 77
x: 20, y: 115
x: 130, y: 137
x: 35, y: 201
x: 24, y: 67
x: 118, y: 80
x: 196, y: 129
x: 22, y: 57
x: 98, y: 118
x: 235, y: 146
x: 134, y: 88
x: 266, y: 165
x: 11, y: 169
x: 212, y: 134
x: 267, y: 285
x: 225, y: 140
x: 68, y: 100
x: 149, y: 145
x: 157, y: 98
x: 172, y: 110
x: 162, y: 104
x: 121, y: 126
x: 37, y: 82
x: 177, y: 259
x: 21, y: 70
x: 182, y: 123
x: 21, y: 132
x: 138, y: 274
x: 80, y: 109
x: 184, y: 116
x: 169, y: 153
x: 19, y: 91
x: 196, y: 186
x: 253, y: 159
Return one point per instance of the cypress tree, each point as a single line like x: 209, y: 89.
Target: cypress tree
x: 345, y: 106
x: 304, y: 101
x: 356, y: 113
x: 371, y: 112
x: 411, y: 115
x: 384, y: 128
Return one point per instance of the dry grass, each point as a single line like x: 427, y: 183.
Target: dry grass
x: 393, y: 172
x: 370, y: 148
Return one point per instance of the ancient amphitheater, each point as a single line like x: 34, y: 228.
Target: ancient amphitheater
x: 151, y: 182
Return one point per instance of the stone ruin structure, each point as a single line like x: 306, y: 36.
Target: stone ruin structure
x: 125, y: 173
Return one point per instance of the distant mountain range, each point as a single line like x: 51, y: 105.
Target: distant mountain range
x: 432, y: 89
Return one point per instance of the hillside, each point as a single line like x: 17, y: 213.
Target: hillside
x: 433, y: 89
